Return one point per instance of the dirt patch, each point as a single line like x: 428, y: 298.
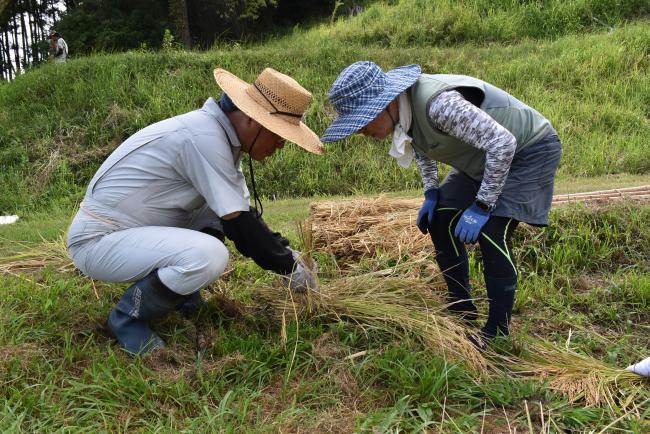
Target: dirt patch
x: 500, y: 421
x: 173, y: 365
x: 23, y: 353
x: 326, y: 346
x: 587, y: 282
x: 230, y: 308
x: 337, y: 418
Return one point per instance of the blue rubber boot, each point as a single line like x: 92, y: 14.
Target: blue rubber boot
x: 501, y: 292
x: 147, y: 299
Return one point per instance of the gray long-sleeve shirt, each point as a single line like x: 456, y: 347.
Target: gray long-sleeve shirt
x: 454, y: 115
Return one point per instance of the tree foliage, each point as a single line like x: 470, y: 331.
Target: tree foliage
x: 103, y: 25
x: 109, y: 25
x: 118, y: 25
x: 24, y: 27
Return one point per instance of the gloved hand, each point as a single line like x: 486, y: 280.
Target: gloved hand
x: 302, y: 277
x: 470, y: 224
x: 425, y: 216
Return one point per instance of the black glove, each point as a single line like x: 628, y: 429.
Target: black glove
x: 254, y: 239
x: 215, y: 233
x: 277, y: 235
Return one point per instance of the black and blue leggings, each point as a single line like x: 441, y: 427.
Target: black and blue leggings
x: 500, y: 269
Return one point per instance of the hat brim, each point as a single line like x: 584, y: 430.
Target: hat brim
x: 397, y: 81
x: 299, y: 134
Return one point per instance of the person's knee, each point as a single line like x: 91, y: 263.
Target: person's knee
x: 442, y: 231
x: 214, y: 259
x: 495, y: 243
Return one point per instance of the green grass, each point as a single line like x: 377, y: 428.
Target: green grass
x: 57, y: 123
x: 588, y: 273
x: 409, y: 23
x: 585, y: 276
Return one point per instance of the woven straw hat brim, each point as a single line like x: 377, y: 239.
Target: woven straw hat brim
x: 299, y: 134
x: 398, y: 80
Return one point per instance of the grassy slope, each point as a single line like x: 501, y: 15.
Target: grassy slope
x: 57, y: 123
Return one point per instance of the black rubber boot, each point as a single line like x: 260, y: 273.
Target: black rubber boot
x: 455, y: 271
x: 501, y: 293
x: 147, y: 299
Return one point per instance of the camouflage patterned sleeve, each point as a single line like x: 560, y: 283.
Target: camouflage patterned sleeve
x: 454, y: 115
x: 428, y: 170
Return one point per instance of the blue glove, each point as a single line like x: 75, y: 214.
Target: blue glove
x: 425, y: 216
x: 470, y: 224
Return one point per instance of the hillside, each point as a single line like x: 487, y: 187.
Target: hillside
x: 373, y: 349
x: 57, y: 122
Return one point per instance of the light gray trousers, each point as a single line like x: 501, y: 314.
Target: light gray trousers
x: 186, y: 259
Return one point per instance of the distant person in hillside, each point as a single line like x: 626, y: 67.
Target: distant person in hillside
x: 504, y: 156
x: 51, y: 50
x: 355, y: 9
x: 158, y: 209
x: 58, y: 47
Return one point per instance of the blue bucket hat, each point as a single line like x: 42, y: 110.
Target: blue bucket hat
x: 361, y: 92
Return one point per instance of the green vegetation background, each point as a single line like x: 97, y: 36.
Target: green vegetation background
x: 58, y: 122
x: 580, y: 62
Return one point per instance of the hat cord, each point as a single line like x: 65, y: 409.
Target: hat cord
x: 256, y: 199
x: 391, y: 116
x: 276, y: 112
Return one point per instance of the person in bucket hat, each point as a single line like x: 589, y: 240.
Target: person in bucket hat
x: 159, y: 208
x: 503, y: 153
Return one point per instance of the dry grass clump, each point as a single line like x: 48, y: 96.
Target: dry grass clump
x: 579, y: 377
x: 22, y: 352
x: 633, y: 193
x: 352, y: 229
x: 407, y: 307
x: 394, y: 304
x: 357, y: 228
x: 40, y: 255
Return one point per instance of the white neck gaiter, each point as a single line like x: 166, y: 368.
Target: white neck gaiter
x: 401, y: 148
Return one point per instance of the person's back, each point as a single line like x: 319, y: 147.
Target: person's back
x: 59, y: 48
x: 61, y: 51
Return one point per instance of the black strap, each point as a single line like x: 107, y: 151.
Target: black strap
x: 256, y: 199
x: 277, y: 112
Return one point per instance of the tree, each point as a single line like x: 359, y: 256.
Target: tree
x: 117, y: 25
x: 179, y: 16
x: 23, y: 34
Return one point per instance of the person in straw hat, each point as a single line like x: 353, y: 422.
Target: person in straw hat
x: 504, y: 156
x: 157, y: 210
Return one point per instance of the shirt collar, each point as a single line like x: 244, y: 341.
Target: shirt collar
x: 212, y: 108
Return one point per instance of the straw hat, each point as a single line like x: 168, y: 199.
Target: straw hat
x: 276, y: 101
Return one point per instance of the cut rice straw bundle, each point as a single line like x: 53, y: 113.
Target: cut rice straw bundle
x: 352, y: 229
x: 356, y: 228
x: 580, y: 377
x: 396, y: 305
x: 39, y: 255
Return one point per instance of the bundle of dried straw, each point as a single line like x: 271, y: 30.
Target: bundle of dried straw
x: 38, y: 255
x: 578, y: 377
x: 394, y: 304
x: 351, y: 229
x: 356, y: 228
